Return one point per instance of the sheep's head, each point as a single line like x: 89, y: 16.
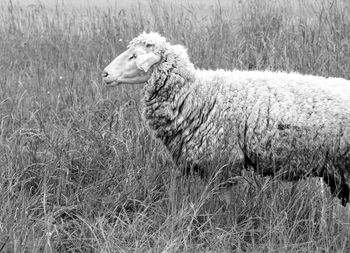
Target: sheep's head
x: 136, y: 63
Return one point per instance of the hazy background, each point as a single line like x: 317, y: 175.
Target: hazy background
x: 119, y: 3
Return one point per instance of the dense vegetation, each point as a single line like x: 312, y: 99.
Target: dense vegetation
x: 79, y: 172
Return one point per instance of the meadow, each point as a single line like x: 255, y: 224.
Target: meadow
x: 80, y: 172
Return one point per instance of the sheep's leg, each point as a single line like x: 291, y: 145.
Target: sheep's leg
x: 222, y: 180
x: 338, y: 187
x: 194, y: 169
x: 344, y: 194
x: 235, y: 177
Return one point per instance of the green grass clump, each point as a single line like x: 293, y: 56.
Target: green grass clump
x: 79, y: 172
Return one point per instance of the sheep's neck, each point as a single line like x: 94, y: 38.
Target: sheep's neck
x: 160, y: 100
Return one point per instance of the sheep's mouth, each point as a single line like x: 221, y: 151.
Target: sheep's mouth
x: 111, y: 83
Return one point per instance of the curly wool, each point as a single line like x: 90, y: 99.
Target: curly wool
x: 280, y: 123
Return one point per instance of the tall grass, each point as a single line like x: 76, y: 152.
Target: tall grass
x: 79, y: 172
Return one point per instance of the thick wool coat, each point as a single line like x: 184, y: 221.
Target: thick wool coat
x: 277, y: 123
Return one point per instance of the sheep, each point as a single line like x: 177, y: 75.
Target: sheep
x: 278, y: 124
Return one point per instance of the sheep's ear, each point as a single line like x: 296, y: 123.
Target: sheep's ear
x: 146, y: 61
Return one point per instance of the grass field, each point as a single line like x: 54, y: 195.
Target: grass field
x: 79, y: 172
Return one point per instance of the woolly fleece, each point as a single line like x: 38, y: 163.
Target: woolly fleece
x: 285, y: 124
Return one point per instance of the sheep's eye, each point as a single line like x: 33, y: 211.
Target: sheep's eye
x: 132, y: 56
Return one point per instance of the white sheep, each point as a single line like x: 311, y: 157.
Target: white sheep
x: 284, y: 124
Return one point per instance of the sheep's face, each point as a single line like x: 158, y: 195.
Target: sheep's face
x: 132, y: 66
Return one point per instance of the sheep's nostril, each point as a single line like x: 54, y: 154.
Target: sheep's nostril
x: 104, y: 74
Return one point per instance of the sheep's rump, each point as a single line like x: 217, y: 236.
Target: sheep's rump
x: 283, y: 124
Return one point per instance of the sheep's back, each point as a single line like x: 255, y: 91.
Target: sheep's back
x: 285, y: 98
